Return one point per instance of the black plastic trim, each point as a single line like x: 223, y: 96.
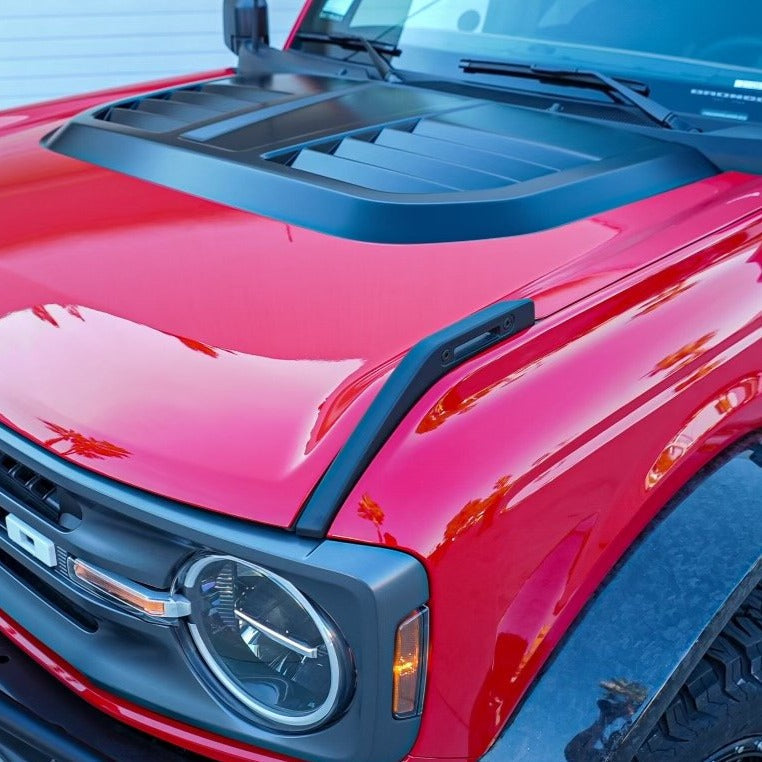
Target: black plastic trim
x: 41, y: 720
x: 649, y: 625
x: 427, y: 362
x: 366, y: 591
x: 40, y: 736
x: 275, y: 157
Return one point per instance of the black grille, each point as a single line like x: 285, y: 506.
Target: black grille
x: 177, y: 109
x: 62, y: 557
x: 30, y: 487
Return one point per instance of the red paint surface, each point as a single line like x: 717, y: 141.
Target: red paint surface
x: 222, y: 359
x: 521, y: 478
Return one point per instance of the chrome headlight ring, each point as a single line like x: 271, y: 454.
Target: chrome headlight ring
x: 266, y: 644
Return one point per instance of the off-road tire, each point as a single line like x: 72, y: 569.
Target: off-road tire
x: 717, y: 715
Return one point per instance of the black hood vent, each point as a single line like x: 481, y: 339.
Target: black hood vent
x: 433, y: 156
x: 374, y: 161
x: 178, y: 109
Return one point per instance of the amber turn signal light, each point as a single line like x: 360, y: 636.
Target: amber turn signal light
x: 409, y: 668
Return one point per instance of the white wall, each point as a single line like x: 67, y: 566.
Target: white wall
x: 52, y: 48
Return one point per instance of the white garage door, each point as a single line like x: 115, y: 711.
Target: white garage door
x: 51, y: 48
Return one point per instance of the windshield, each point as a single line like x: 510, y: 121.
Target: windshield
x: 700, y: 57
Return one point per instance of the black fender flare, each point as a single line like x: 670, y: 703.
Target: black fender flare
x: 649, y: 624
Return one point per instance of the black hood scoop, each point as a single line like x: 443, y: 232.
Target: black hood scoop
x: 377, y: 162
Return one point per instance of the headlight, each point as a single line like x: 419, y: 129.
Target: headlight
x: 271, y: 648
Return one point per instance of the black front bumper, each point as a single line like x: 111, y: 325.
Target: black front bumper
x: 42, y: 721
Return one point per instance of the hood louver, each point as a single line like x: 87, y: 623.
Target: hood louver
x: 432, y: 156
x: 375, y: 161
x: 179, y: 109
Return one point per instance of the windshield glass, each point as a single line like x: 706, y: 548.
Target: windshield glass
x: 699, y: 56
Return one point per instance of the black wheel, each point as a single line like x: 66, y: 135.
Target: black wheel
x: 748, y: 749
x: 717, y: 715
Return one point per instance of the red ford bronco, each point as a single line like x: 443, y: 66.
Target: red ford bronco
x: 393, y: 396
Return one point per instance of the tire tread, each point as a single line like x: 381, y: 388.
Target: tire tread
x: 727, y: 677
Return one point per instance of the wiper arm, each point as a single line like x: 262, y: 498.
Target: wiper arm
x: 373, y: 48
x: 586, y: 78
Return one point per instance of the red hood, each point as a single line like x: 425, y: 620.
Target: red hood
x: 221, y: 358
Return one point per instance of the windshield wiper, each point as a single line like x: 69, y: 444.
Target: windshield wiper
x: 373, y: 48
x: 586, y: 78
